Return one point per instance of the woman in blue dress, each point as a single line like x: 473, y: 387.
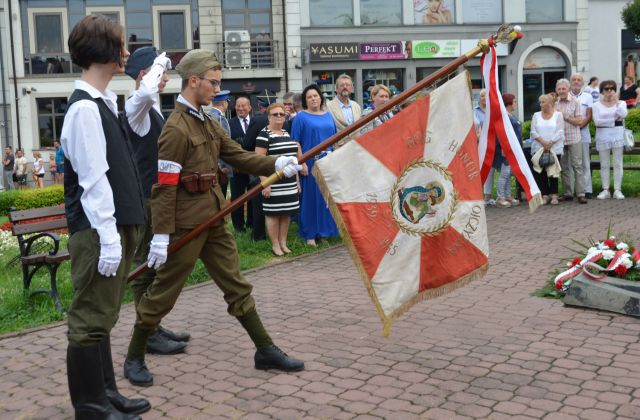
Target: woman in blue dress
x: 311, y: 127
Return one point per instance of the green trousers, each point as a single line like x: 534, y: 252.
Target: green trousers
x: 97, y: 299
x: 216, y: 248
x: 140, y: 284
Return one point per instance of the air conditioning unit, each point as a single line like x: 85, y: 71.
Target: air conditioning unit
x: 237, y: 49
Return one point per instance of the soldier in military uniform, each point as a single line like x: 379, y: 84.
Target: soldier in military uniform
x: 144, y: 123
x: 185, y: 196
x: 105, y: 215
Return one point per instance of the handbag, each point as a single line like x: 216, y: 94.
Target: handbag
x: 545, y: 159
x: 629, y: 140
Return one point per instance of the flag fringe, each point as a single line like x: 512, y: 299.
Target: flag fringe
x: 387, y: 320
x: 535, y: 202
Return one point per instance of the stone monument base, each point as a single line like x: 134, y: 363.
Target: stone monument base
x: 609, y: 294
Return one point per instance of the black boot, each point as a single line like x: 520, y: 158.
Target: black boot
x: 158, y: 343
x: 137, y: 372
x: 273, y: 358
x: 126, y: 405
x: 86, y: 385
x: 175, y: 336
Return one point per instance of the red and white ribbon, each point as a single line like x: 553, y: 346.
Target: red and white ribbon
x: 592, y: 270
x: 497, y: 124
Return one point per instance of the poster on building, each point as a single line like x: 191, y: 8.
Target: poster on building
x: 482, y: 11
x: 447, y: 48
x: 334, y: 51
x: 630, y: 53
x: 433, y: 12
x: 382, y: 51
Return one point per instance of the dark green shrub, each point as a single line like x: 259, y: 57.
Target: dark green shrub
x: 632, y: 121
x: 31, y: 198
x: 526, y: 130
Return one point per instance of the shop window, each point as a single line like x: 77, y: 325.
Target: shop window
x: 543, y: 11
x: 482, y: 11
x: 167, y: 103
x: 326, y: 80
x: 331, y: 12
x: 50, y: 118
x: 380, y: 12
x: 172, y: 27
x: 391, y: 78
x: 434, y: 12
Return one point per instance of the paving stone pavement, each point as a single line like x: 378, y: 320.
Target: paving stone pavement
x: 488, y: 350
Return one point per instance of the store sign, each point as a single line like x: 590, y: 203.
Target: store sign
x: 336, y: 51
x: 436, y: 49
x: 382, y: 51
x: 502, y: 50
x: 630, y: 41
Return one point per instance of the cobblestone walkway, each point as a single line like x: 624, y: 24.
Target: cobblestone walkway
x: 488, y: 350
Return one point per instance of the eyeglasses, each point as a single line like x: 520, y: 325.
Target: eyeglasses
x: 604, y: 89
x: 214, y: 83
x: 278, y: 114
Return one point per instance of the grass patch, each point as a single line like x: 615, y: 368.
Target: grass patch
x: 19, y: 311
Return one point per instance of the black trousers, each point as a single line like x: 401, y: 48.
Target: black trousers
x: 240, y: 185
x: 258, y: 230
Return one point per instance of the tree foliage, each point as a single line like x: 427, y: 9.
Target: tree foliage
x: 631, y: 16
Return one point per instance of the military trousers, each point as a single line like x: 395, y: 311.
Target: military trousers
x: 216, y: 247
x: 97, y: 299
x: 140, y: 284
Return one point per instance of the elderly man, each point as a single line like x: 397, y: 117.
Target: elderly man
x: 185, y: 196
x: 586, y: 103
x: 343, y: 110
x: 571, y: 160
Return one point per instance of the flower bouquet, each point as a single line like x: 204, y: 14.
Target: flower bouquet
x: 608, y: 258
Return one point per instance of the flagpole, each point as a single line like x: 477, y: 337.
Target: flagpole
x: 505, y: 34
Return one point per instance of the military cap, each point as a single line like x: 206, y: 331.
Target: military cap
x: 141, y: 59
x: 223, y: 95
x: 196, y: 62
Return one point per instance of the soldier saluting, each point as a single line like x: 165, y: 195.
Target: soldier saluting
x: 186, y: 195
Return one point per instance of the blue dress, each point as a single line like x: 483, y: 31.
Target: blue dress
x: 315, y: 219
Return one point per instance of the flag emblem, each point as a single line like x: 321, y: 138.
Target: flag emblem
x: 407, y: 198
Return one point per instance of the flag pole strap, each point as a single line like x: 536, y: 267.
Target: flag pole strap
x: 505, y: 34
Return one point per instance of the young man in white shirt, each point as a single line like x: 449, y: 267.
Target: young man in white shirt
x: 105, y: 215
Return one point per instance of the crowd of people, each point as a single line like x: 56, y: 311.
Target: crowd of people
x: 560, y: 140
x: 15, y: 172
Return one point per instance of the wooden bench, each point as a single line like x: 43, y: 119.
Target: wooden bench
x: 595, y: 166
x: 39, y: 246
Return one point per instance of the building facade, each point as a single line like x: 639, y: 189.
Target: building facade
x: 247, y: 36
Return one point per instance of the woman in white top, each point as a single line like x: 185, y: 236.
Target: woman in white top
x: 38, y: 170
x: 547, y: 132
x: 608, y: 116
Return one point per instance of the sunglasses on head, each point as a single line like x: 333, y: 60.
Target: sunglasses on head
x: 278, y: 114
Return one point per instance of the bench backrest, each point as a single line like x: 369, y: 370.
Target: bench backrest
x: 19, y: 217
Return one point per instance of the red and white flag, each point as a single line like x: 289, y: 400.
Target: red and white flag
x: 497, y: 124
x: 407, y: 198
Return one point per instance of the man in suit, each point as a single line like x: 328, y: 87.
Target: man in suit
x: 240, y: 182
x: 343, y: 110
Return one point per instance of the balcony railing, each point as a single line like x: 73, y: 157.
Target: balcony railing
x: 248, y: 54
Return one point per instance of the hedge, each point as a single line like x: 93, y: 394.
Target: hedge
x: 31, y: 198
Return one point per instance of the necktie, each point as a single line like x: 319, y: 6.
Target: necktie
x: 244, y: 124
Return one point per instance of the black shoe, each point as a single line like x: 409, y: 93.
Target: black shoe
x: 86, y: 385
x: 582, y: 200
x: 137, y: 372
x: 175, y: 336
x: 120, y: 402
x: 160, y: 344
x: 567, y: 198
x: 588, y: 196
x: 273, y: 358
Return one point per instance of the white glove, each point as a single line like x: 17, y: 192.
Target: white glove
x: 163, y: 60
x: 110, y: 256
x: 289, y: 165
x: 158, y: 251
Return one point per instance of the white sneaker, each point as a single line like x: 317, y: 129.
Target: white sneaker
x: 604, y: 195
x: 490, y: 202
x: 617, y: 194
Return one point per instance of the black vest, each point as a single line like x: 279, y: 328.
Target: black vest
x: 146, y: 150
x: 122, y: 174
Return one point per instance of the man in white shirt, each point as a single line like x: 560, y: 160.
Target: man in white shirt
x: 586, y: 103
x: 343, y: 110
x: 105, y: 216
x: 144, y: 123
x: 20, y: 169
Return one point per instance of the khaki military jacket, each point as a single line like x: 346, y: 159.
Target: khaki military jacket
x: 196, y: 142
